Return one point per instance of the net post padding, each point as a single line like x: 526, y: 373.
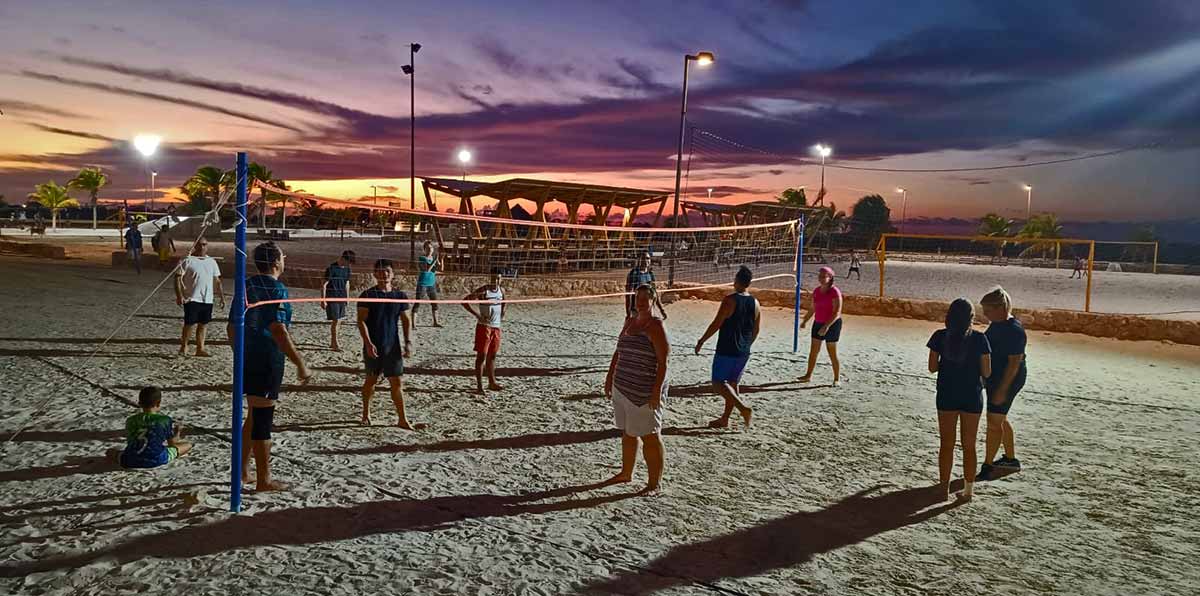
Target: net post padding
x: 237, y: 320
x: 1043, y: 245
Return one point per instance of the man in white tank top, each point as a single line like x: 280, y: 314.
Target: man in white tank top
x: 487, y: 331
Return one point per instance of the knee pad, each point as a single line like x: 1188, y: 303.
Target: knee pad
x: 260, y: 425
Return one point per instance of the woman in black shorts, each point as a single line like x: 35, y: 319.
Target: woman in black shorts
x: 960, y: 356
x: 1007, y: 337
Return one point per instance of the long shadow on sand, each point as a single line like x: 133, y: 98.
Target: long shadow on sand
x: 70, y: 467
x: 780, y: 543
x: 313, y: 525
x: 116, y: 340
x: 501, y: 371
x: 67, y: 436
x: 33, y: 353
x: 528, y: 441
x: 706, y: 389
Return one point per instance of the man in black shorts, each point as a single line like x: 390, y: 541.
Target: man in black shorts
x: 267, y: 343
x: 383, y: 355
x: 337, y: 285
x: 195, y: 279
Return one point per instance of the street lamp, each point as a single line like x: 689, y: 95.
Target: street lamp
x: 464, y: 158
x: 903, y: 213
x: 409, y: 69
x: 147, y: 145
x: 1028, y: 202
x: 710, y: 194
x: 703, y: 59
x: 823, y: 151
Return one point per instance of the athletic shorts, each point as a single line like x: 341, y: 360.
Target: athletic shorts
x: 386, y: 365
x: 172, y: 455
x: 728, y: 368
x: 970, y: 404
x: 1017, y: 384
x: 335, y: 311
x: 197, y: 313
x: 487, y: 339
x: 832, y: 336
x: 426, y: 293
x: 263, y: 382
x: 633, y: 420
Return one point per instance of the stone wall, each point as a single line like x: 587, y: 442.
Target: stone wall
x: 1065, y: 321
x: 48, y: 251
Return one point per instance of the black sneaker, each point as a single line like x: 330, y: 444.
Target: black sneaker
x: 986, y: 472
x: 1004, y: 462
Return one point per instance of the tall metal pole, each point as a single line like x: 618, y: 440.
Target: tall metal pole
x: 1028, y: 203
x: 821, y: 194
x: 237, y: 320
x: 903, y: 214
x: 799, y: 273
x: 678, y: 169
x: 412, y: 150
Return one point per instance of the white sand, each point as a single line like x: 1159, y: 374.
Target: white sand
x: 818, y: 498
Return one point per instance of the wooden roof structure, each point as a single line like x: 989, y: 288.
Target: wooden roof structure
x: 754, y: 212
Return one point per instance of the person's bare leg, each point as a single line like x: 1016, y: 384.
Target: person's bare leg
x: 1009, y: 441
x: 200, y: 337
x: 182, y: 446
x: 831, y: 347
x: 246, y: 445
x: 397, y: 387
x: 947, y: 420
x: 183, y: 339
x: 995, y: 433
x: 333, y: 336
x: 814, y: 350
x: 368, y: 392
x: 491, y: 372
x: 262, y: 468
x: 433, y: 309
x: 479, y: 358
x: 628, y: 459
x: 732, y: 400
x: 970, y: 428
x: 652, y: 451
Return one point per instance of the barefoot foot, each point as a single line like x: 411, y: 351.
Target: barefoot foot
x: 620, y: 478
x: 719, y: 423
x: 495, y: 387
x: 202, y: 354
x: 747, y: 415
x: 270, y: 486
x: 805, y: 378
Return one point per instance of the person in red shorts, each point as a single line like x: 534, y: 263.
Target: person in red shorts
x: 487, y: 331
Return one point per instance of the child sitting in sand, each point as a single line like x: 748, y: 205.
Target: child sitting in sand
x: 152, y: 438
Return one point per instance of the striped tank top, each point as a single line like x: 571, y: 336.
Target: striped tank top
x: 637, y: 367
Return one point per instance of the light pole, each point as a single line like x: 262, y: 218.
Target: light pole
x: 823, y: 151
x: 410, y: 70
x: 710, y: 194
x: 903, y: 212
x: 147, y: 145
x: 1028, y: 203
x: 702, y: 59
x: 464, y: 158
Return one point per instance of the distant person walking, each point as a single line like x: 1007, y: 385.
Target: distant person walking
x: 855, y: 266
x: 164, y: 244
x: 336, y: 285
x: 428, y: 265
x: 133, y: 246
x: 1079, y: 268
x: 737, y: 325
x: 827, y: 309
x: 195, y: 279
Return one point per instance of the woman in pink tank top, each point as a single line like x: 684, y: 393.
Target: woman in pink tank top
x: 827, y: 309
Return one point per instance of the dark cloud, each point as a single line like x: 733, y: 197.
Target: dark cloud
x: 73, y: 133
x: 156, y: 97
x: 15, y: 107
x: 510, y: 63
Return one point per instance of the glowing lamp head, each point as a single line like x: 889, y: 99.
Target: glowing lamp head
x: 705, y: 58
x: 464, y: 157
x: 900, y: 190
x: 146, y: 144
x: 1026, y: 187
x: 823, y: 150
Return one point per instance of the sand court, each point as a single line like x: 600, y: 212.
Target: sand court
x: 827, y: 494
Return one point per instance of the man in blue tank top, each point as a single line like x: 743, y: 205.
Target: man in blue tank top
x: 737, y: 321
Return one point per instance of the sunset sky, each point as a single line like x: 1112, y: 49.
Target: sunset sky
x: 589, y: 92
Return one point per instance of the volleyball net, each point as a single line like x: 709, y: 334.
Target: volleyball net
x: 586, y: 260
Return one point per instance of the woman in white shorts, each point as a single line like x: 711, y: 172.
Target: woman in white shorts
x: 637, y: 383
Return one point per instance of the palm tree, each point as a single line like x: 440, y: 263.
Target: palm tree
x: 1042, y: 231
x: 792, y: 197
x: 53, y: 197
x: 994, y: 226
x: 208, y: 181
x: 90, y: 180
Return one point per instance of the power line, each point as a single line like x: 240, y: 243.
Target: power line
x: 803, y: 161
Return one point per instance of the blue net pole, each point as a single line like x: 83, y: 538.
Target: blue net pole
x: 799, y: 273
x: 237, y: 320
